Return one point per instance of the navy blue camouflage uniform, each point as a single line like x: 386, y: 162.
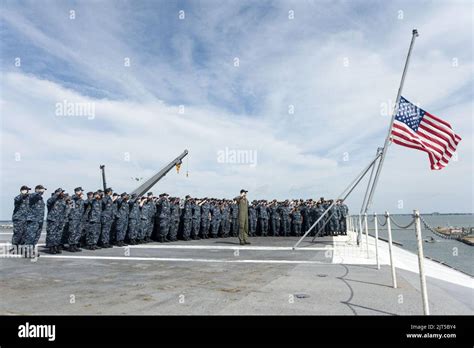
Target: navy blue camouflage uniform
x: 107, y: 219
x: 75, y: 219
x: 263, y: 219
x: 225, y: 221
x: 19, y: 217
x: 196, y: 221
x: 164, y: 218
x: 35, y: 219
x: 333, y: 220
x: 234, y: 211
x: 133, y: 219
x: 296, y: 220
x: 122, y: 219
x: 285, y: 220
x: 215, y: 219
x: 252, y: 220
x: 94, y: 222
x: 205, y: 219
x: 187, y: 219
x: 343, y: 218
x: 55, y: 220
x: 275, y: 219
x: 174, y: 221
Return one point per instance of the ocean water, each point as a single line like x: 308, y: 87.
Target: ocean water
x: 449, y: 251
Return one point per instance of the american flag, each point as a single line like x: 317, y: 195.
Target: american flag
x: 418, y: 129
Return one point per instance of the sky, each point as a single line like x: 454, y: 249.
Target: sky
x: 301, y: 90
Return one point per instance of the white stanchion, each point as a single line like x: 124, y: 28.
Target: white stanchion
x: 421, y: 265
x: 390, y: 251
x: 376, y: 241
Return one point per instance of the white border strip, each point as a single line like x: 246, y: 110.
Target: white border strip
x: 173, y: 259
x: 208, y: 247
x: 222, y: 247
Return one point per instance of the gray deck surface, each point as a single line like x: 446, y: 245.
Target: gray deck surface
x: 207, y: 281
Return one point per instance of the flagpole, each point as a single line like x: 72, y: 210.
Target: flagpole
x: 395, y: 111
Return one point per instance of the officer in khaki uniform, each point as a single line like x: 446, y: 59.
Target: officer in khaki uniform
x: 243, y: 204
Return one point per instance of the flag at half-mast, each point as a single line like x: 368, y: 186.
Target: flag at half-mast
x: 417, y: 129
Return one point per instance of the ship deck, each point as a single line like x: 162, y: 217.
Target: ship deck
x: 332, y: 276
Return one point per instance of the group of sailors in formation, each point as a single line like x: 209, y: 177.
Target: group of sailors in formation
x: 102, y: 219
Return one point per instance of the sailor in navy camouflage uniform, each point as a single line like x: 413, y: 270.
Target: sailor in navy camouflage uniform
x: 333, y: 219
x: 226, y: 220
x: 76, y: 219
x: 205, y: 218
x: 234, y: 212
x: 35, y: 218
x: 175, y: 214
x: 285, y: 218
x: 55, y: 219
x: 305, y: 211
x: 65, y: 225
x: 20, y: 214
x: 296, y: 220
x: 275, y: 217
x: 147, y: 217
x: 122, y: 219
x: 163, y: 218
x: 94, y: 218
x: 262, y: 211
x: 142, y: 221
x: 107, y: 218
x: 187, y: 218
x: 85, y: 218
x: 343, y: 217
x: 253, y: 219
x: 133, y: 219
x: 196, y: 220
x: 215, y: 218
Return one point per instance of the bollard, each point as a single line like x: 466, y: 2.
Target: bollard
x: 392, y: 265
x: 419, y: 240
x: 366, y: 234
x: 376, y: 241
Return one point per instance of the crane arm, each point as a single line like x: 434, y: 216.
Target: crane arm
x: 147, y: 185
